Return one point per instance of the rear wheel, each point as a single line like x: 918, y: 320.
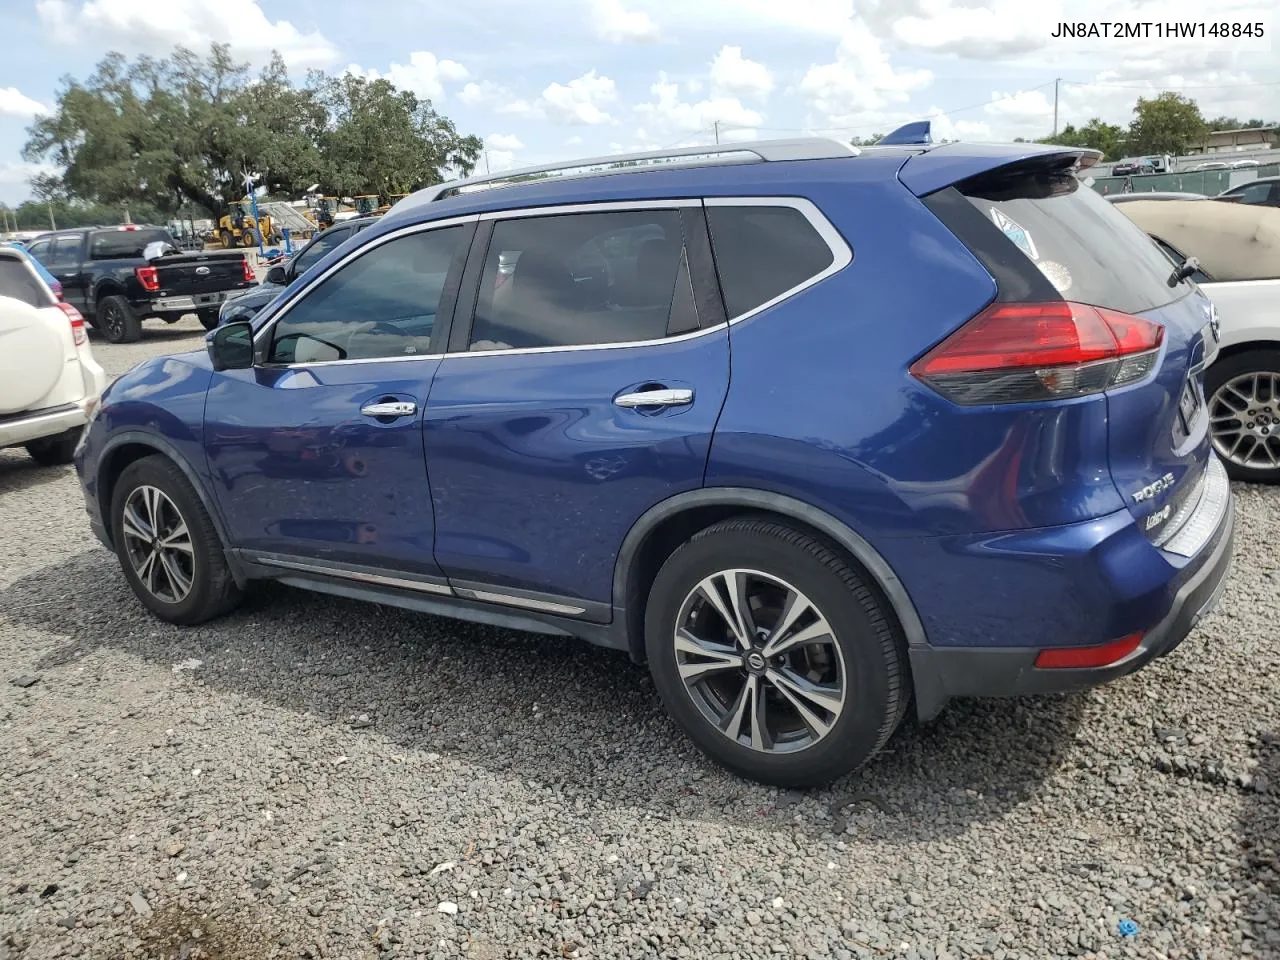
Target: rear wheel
x: 55, y: 450
x: 1244, y: 414
x: 117, y: 321
x: 208, y: 318
x: 167, y: 546
x: 773, y: 654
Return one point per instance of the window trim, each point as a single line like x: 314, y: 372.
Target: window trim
x: 262, y: 336
x: 841, y: 254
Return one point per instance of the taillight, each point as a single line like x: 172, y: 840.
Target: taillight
x: 1014, y: 352
x: 149, y: 277
x: 1100, y: 655
x: 248, y: 271
x: 78, y: 332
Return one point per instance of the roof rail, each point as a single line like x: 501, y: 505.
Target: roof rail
x: 756, y: 151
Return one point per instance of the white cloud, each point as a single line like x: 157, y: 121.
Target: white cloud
x: 994, y: 30
x: 860, y: 82
x: 574, y: 141
x: 15, y: 178
x: 812, y: 17
x: 667, y: 115
x: 13, y: 103
x: 582, y: 100
x: 503, y: 141
x: 616, y: 24
x: 485, y: 93
x: 734, y: 75
x: 423, y: 75
x: 145, y: 26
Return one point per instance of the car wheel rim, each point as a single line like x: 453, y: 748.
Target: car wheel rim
x: 115, y: 320
x: 760, y: 661
x: 158, y: 544
x: 1244, y: 417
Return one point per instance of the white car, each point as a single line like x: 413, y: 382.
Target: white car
x: 1238, y: 249
x: 49, y: 382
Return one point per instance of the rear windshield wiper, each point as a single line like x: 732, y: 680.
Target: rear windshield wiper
x: 1183, y: 270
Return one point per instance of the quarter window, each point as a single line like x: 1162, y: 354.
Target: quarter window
x: 1255, y: 193
x: 763, y: 252
x: 382, y: 304
x: 584, y: 278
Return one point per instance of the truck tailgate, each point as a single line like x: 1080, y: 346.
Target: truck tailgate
x: 200, y: 272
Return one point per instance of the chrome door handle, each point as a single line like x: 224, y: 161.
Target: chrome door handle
x: 390, y: 408
x: 655, y: 398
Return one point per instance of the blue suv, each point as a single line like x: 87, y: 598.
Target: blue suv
x: 813, y: 432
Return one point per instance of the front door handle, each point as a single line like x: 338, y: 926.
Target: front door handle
x: 390, y: 408
x: 655, y: 398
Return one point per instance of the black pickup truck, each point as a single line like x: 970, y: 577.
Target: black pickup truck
x: 106, y: 274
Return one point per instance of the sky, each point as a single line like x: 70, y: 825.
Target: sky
x: 545, y: 80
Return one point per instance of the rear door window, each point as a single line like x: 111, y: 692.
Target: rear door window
x: 1089, y: 251
x: 66, y: 251
x: 763, y: 253
x: 18, y: 281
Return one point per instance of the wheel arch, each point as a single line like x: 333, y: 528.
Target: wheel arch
x: 133, y: 445
x: 107, y: 288
x: 673, y: 521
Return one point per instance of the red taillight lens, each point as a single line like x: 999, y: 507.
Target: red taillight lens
x: 248, y: 271
x: 1012, y: 352
x: 149, y: 277
x: 1096, y: 656
x: 78, y: 332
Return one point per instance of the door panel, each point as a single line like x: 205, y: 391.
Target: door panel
x: 300, y: 470
x: 537, y: 476
x: 65, y: 262
x: 540, y: 453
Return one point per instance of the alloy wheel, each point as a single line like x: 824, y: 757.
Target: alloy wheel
x: 158, y: 544
x: 113, y: 320
x: 760, y: 661
x: 1244, y: 418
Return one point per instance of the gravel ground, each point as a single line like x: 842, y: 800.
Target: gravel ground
x: 312, y: 777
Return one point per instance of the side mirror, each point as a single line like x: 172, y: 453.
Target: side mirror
x: 231, y: 346
x: 277, y: 276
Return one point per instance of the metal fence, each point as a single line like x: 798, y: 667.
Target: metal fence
x: 1208, y: 182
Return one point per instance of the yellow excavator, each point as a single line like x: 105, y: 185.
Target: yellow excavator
x: 324, y: 211
x: 239, y: 228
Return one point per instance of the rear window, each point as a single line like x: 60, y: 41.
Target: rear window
x: 1090, y: 252
x: 763, y: 252
x: 124, y: 244
x: 17, y: 280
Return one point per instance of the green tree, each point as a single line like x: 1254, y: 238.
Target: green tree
x: 866, y: 141
x: 1231, y: 123
x: 1165, y: 123
x: 382, y: 140
x: 1094, y: 135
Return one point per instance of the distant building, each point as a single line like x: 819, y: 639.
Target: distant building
x: 1235, y: 141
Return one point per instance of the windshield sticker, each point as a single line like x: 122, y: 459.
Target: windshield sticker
x: 1014, y: 231
x: 1058, y: 275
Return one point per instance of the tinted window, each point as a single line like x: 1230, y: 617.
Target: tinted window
x: 1254, y: 193
x: 124, y: 244
x: 17, y: 281
x: 584, y: 278
x: 39, y: 250
x: 318, y: 248
x: 65, y: 251
x: 382, y: 304
x: 762, y: 252
x: 1089, y: 251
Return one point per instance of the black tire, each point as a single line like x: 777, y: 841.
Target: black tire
x: 213, y: 590
x: 208, y: 318
x: 249, y: 238
x: 1256, y: 467
x: 116, y: 320
x: 56, y: 450
x: 871, y: 650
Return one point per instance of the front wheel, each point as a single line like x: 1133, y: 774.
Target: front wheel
x: 1243, y: 391
x: 773, y: 654
x: 167, y: 545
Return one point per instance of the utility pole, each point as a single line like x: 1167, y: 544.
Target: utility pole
x: 52, y: 224
x: 1057, y: 80
x: 486, y: 163
x: 716, y: 124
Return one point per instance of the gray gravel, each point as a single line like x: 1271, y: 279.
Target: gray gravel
x: 316, y: 778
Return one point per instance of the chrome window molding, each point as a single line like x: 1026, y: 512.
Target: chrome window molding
x: 841, y: 253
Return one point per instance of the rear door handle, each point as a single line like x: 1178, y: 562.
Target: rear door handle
x: 655, y: 398
x: 390, y: 408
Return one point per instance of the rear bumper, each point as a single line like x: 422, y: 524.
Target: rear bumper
x: 941, y: 673
x: 42, y: 423
x: 191, y: 303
